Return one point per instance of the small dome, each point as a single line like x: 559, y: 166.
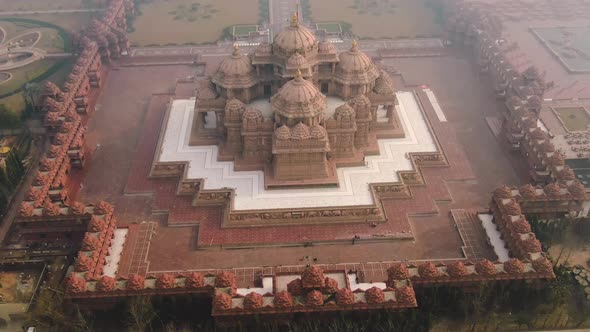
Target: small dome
x: 398, y: 271
x: 532, y: 245
x: 557, y: 159
x: 362, y: 106
x: 534, y: 102
x: 299, y: 98
x: 283, y: 133
x: 512, y: 208
x: 514, y: 102
x: 485, y: 267
x: 252, y: 114
x: 344, y: 109
x: 296, y: 61
x: 457, y: 269
x: 283, y: 300
x: 513, y: 266
x: 300, y: 132
x: 543, y: 265
x: 538, y: 134
x: 236, y: 71
x: 528, y: 191
x: 547, y: 146
x: 530, y: 122
x: 503, y: 192
x: 531, y: 73
x: 236, y: 64
x: 326, y: 47
x: 344, y: 296
x: 577, y: 189
x: 295, y: 38
x: 405, y: 294
x: 318, y: 132
x: 374, y: 295
x: 234, y: 105
x: 521, y: 226
x: 552, y: 190
x: 566, y: 174
x: 428, y: 270
x: 355, y: 67
x: 384, y: 84
x: 313, y: 276
x: 264, y: 49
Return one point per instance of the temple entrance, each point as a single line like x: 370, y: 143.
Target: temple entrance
x: 324, y: 88
x: 382, y: 116
x: 267, y: 90
x: 210, y: 120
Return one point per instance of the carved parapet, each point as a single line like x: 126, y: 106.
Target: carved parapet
x: 360, y: 214
x: 391, y: 190
x: 216, y: 197
x: 188, y: 187
x: 429, y: 159
x: 411, y: 177
x: 167, y: 169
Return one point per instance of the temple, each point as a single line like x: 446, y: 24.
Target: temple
x: 296, y: 109
x: 294, y: 145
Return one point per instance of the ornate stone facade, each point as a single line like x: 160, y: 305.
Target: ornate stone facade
x: 301, y: 142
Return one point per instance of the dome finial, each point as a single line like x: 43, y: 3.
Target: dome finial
x: 298, y: 73
x: 236, y: 49
x: 354, y: 45
x: 295, y: 20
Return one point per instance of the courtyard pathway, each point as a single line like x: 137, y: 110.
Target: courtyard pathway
x: 55, y: 11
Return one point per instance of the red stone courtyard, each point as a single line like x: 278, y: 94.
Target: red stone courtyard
x: 166, y: 230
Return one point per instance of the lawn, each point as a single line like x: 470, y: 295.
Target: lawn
x: 16, y: 101
x: 329, y: 27
x: 71, y: 22
x: 244, y: 30
x: 379, y: 18
x: 574, y: 118
x: 190, y: 21
x: 29, y: 5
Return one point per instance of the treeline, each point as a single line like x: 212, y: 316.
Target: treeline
x: 12, y: 171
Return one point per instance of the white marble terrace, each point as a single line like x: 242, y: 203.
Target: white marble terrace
x: 249, y: 186
x: 115, y: 251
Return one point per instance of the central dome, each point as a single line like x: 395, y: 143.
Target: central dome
x: 299, y: 99
x: 295, y: 38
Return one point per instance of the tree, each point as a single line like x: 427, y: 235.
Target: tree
x: 141, y: 313
x: 8, y: 118
x: 32, y: 92
x: 49, y: 313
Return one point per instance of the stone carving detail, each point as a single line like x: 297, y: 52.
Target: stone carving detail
x: 225, y: 279
x: 405, y: 294
x: 513, y: 266
x: 314, y: 298
x: 295, y: 287
x: 195, y: 280
x: 106, y: 284
x: 374, y: 295
x: 283, y: 300
x: 253, y: 301
x: 135, y: 282
x: 344, y: 297
x: 486, y: 268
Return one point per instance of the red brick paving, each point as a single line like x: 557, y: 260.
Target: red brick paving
x: 173, y: 248
x: 211, y: 233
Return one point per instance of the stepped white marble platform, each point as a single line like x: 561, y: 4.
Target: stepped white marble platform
x: 249, y: 186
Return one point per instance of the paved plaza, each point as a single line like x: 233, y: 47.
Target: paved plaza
x: 353, y: 188
x: 118, y: 171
